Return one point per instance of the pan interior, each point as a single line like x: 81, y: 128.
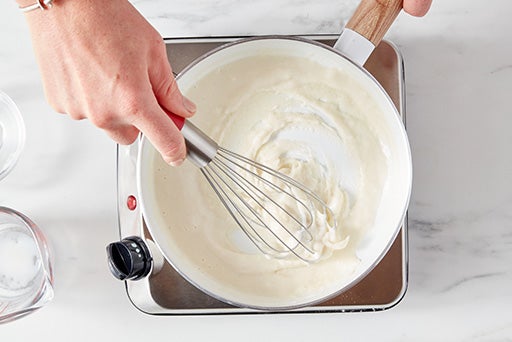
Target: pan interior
x: 244, y: 94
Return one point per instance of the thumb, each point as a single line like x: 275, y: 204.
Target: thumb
x: 417, y: 8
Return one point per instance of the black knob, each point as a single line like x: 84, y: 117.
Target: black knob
x: 129, y: 259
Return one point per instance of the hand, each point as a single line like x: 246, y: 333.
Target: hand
x: 103, y: 61
x: 417, y: 8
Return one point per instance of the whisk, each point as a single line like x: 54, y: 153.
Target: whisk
x: 272, y: 209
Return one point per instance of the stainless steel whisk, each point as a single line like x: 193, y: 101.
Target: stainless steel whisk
x: 272, y: 209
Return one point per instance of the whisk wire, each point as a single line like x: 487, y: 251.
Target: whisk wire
x: 231, y: 207
x: 249, y: 193
x: 269, y: 170
x: 267, y: 182
x: 246, y: 187
x: 286, y: 179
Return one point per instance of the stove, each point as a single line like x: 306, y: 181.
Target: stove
x: 160, y: 290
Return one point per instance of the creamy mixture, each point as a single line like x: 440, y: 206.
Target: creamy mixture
x: 310, y: 122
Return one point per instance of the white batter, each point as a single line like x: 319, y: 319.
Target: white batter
x: 310, y: 122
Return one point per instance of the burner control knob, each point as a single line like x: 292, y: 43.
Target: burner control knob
x: 129, y: 259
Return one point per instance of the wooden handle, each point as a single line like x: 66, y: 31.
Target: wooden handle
x: 373, y: 18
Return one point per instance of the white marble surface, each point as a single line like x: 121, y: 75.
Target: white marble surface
x: 459, y: 72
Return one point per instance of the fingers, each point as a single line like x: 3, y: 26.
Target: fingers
x: 170, y: 98
x: 137, y: 110
x: 167, y: 92
x: 417, y: 8
x: 163, y: 134
x: 156, y: 124
x: 124, y: 135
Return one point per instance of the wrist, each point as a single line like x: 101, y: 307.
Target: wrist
x: 25, y: 3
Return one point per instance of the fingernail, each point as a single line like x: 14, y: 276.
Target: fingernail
x: 176, y: 162
x: 189, y: 105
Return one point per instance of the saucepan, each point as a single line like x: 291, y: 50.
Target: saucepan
x: 178, y: 218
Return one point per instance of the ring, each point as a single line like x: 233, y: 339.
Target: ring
x: 41, y: 4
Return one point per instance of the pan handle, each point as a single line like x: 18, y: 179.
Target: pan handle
x: 367, y: 27
x: 373, y: 18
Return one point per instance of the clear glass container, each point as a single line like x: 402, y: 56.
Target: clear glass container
x: 12, y: 134
x: 26, y: 277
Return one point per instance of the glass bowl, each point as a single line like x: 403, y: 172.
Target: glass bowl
x: 12, y: 134
x: 26, y: 277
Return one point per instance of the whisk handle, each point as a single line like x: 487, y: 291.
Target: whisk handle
x: 179, y: 121
x: 201, y: 149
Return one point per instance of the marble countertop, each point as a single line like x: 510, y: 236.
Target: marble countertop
x: 459, y: 70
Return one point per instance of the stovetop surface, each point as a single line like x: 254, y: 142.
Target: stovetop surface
x: 166, y: 293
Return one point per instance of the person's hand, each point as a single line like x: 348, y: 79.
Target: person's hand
x: 103, y: 61
x: 417, y: 8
